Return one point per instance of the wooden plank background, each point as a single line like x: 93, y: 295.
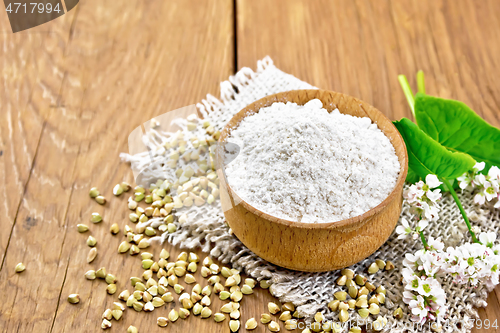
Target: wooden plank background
x: 73, y: 89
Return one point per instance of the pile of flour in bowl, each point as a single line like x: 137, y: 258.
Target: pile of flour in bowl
x: 304, y: 164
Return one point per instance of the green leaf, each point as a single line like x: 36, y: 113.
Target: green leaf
x: 421, y: 81
x: 403, y: 81
x: 458, y: 128
x: 412, y: 177
x: 425, y: 155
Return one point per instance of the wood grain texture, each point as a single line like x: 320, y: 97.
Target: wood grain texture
x: 31, y: 80
x: 337, y: 244
x: 72, y: 89
x: 124, y: 63
x: 359, y: 47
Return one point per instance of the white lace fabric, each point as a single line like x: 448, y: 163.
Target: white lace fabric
x: 310, y: 292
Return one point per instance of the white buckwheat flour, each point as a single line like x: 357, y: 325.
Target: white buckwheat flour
x: 304, y: 164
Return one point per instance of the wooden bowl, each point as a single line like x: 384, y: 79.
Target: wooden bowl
x: 314, y: 247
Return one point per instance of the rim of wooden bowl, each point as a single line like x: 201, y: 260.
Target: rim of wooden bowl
x: 316, y: 93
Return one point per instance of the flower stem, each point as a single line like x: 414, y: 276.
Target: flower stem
x: 422, y: 238
x: 421, y: 82
x: 459, y: 204
x: 407, y: 91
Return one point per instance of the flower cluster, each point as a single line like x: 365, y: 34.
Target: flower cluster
x: 470, y: 263
x: 487, y: 186
x: 422, y: 199
x: 474, y: 263
x: 423, y: 292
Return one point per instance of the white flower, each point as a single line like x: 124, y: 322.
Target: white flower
x: 490, y: 190
x: 487, y: 238
x: 422, y: 198
x: 411, y: 259
x: 465, y: 181
x: 428, y: 211
x: 471, y: 249
x: 434, y: 196
x: 408, y: 296
x: 421, y: 225
x: 439, y: 297
x: 479, y: 198
x: 494, y: 173
x: 432, y: 181
x: 404, y: 229
x: 493, y: 282
x: 479, y: 166
x: 430, y: 264
x: 427, y: 286
x: 479, y: 180
x: 418, y: 309
x: 487, y: 185
x: 408, y: 277
x: 435, y: 244
x: 410, y: 195
x: 415, y: 192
